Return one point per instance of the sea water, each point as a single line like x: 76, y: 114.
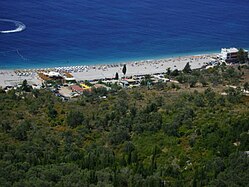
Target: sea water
x: 83, y: 32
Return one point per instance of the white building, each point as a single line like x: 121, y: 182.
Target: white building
x: 52, y: 74
x: 230, y: 54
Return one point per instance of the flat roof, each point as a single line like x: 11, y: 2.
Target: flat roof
x: 229, y: 50
x: 77, y: 88
x: 100, y: 86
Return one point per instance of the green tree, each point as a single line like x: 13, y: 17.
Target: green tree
x: 236, y: 172
x: 116, y: 76
x: 20, y: 132
x: 244, y: 140
x: 124, y: 69
x: 233, y: 95
x: 25, y: 87
x: 168, y: 71
x: 52, y: 113
x: 182, y: 78
x: 187, y: 68
x: 192, y: 80
x: 118, y: 135
x: 137, y: 95
x: 246, y: 86
x: 203, y: 81
x: 175, y: 73
x: 199, y: 101
x: 75, y: 118
x: 242, y: 56
x: 239, y: 68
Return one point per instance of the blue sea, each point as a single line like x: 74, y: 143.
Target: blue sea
x: 83, y: 32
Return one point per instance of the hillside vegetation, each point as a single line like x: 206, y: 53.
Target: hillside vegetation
x: 160, y: 136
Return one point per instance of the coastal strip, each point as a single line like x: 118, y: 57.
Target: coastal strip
x: 93, y: 72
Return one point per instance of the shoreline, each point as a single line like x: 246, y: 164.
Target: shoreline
x: 9, y: 77
x: 109, y: 62
x: 150, y: 66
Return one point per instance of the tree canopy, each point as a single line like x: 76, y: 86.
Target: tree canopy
x: 116, y: 76
x: 191, y: 136
x: 187, y: 68
x: 242, y: 56
x: 124, y: 69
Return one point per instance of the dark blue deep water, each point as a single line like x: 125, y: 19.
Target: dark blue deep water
x: 76, y: 32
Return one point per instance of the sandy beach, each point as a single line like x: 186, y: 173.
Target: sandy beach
x: 11, y: 77
x: 141, y: 67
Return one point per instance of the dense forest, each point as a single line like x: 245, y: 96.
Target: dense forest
x: 168, y: 134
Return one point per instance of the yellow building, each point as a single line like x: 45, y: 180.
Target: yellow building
x: 85, y: 87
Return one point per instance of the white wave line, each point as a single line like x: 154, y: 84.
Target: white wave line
x: 17, y: 52
x: 19, y: 26
x: 22, y: 57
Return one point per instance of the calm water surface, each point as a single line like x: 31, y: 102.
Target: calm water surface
x: 77, y: 32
